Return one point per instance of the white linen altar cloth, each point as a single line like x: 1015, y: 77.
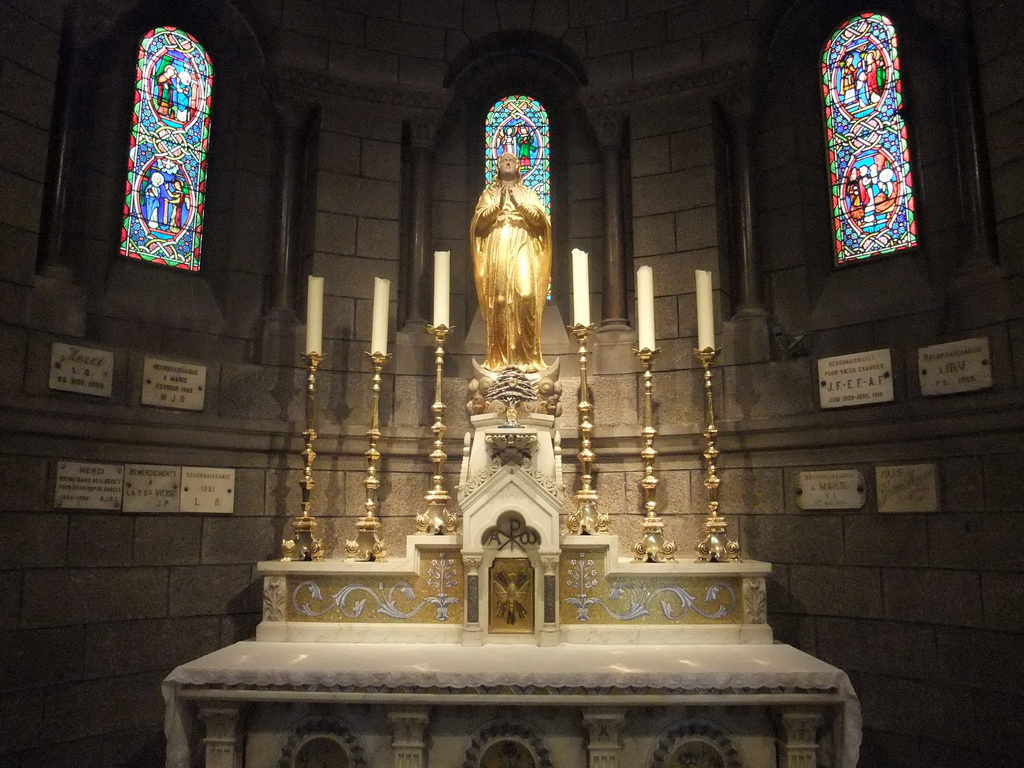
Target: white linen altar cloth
x: 275, y: 671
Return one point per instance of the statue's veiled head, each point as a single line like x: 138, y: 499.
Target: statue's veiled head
x: 508, y: 167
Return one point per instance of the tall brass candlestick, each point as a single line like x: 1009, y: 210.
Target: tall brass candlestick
x: 715, y: 546
x: 305, y: 545
x: 652, y: 547
x: 438, y: 518
x: 367, y: 545
x: 586, y: 518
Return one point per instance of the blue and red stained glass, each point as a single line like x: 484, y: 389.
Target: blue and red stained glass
x: 519, y: 124
x: 166, y: 185
x: 869, y: 160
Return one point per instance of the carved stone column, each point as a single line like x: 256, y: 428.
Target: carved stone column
x: 280, y: 342
x: 604, y: 747
x: 746, y: 336
x: 472, y: 632
x: 613, y: 342
x: 978, y: 293
x: 609, y: 127
x: 223, y: 742
x: 799, y: 737
x: 418, y: 274
x: 408, y: 740
x: 550, y: 634
x: 58, y: 302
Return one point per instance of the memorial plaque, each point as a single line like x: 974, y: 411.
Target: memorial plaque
x: 907, y: 488
x: 83, y: 485
x: 861, y: 379
x: 207, y: 489
x: 151, y: 488
x: 957, y: 366
x: 831, y: 489
x: 81, y: 369
x: 174, y: 385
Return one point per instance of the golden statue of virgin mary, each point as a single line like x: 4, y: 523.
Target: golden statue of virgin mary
x: 511, y: 241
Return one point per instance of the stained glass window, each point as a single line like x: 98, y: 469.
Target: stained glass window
x: 166, y: 186
x: 869, y: 161
x: 519, y: 124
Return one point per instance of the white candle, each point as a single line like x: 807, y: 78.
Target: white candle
x: 705, y: 311
x: 315, y: 315
x: 580, y: 288
x: 381, y: 302
x: 645, y: 307
x: 442, y: 277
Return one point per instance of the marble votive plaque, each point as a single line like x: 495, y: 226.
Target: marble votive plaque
x: 956, y: 366
x: 84, y: 485
x: 171, y: 384
x: 151, y: 488
x: 863, y: 378
x: 208, y: 490
x: 81, y: 369
x: 831, y: 489
x: 907, y: 488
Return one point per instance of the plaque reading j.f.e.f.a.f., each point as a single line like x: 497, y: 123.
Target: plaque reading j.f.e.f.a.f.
x: 957, y: 366
x: 81, y: 369
x: 174, y: 385
x: 84, y: 485
x: 831, y: 489
x: 860, y: 379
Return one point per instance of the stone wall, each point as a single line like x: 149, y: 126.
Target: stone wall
x: 96, y: 607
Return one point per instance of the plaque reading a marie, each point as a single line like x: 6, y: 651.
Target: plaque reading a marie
x: 151, y: 488
x: 170, y: 384
x: 208, y: 490
x: 958, y: 366
x: 864, y: 378
x: 511, y: 605
x: 81, y: 369
x: 831, y: 489
x: 84, y: 485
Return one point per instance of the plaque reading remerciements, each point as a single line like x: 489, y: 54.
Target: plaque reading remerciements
x: 831, y: 489
x: 860, y: 379
x: 957, y: 366
x: 81, y: 369
x: 83, y: 485
x: 151, y: 488
x: 174, y: 385
x: 207, y: 489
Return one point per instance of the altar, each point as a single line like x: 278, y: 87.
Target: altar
x: 514, y: 630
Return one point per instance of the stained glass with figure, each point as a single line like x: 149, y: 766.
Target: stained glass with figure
x: 166, y: 185
x: 519, y: 125
x: 873, y: 209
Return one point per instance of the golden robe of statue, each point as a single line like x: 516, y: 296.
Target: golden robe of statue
x: 511, y: 241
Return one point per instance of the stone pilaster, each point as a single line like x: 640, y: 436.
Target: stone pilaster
x: 408, y: 736
x: 604, y: 747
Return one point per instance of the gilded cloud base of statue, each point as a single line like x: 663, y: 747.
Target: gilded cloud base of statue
x: 511, y: 242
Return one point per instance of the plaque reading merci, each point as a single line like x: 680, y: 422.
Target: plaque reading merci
x: 207, y: 490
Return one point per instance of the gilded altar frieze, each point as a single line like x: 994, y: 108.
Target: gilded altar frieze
x: 589, y: 596
x: 434, y: 596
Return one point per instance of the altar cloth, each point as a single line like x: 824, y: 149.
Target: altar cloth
x: 585, y: 675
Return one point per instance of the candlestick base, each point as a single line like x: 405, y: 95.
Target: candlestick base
x: 304, y: 545
x: 437, y: 519
x: 716, y: 546
x: 653, y: 547
x: 587, y: 519
x: 366, y: 546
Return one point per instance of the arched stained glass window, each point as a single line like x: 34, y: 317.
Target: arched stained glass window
x: 519, y: 124
x: 869, y: 160
x: 166, y: 186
